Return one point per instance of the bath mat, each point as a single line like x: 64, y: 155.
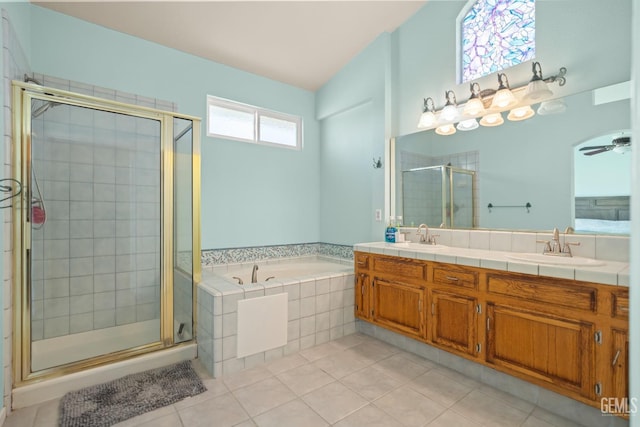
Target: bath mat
x: 110, y: 403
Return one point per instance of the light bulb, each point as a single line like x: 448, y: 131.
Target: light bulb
x: 447, y: 129
x: 493, y: 119
x: 520, y: 113
x: 473, y: 107
x: 427, y: 120
x: 466, y: 125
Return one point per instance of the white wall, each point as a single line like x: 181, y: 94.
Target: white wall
x: 634, y: 304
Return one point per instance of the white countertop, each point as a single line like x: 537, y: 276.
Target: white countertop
x: 584, y: 269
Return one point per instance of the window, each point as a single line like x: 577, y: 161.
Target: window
x: 495, y: 34
x: 233, y: 120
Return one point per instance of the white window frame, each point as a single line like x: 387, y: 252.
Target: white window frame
x: 257, y: 114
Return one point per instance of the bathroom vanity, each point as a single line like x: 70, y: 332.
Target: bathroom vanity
x: 567, y: 335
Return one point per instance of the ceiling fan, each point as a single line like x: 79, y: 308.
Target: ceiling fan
x: 621, y: 144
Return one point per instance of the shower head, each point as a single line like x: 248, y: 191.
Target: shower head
x: 44, y: 107
x: 28, y: 78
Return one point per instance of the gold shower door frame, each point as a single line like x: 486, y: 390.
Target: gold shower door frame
x: 23, y: 94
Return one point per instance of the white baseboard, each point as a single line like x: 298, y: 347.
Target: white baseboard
x: 3, y: 415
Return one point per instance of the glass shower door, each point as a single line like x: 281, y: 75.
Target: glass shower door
x: 183, y: 271
x: 94, y: 263
x: 462, y: 206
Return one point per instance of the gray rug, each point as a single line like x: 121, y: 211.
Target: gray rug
x: 110, y: 403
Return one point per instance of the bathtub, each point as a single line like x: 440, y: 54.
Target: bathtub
x: 285, y: 270
x: 313, y: 298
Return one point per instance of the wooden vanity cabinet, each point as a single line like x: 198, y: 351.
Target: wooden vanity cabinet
x: 454, y: 322
x: 399, y: 306
x: 619, y: 385
x: 617, y: 362
x: 362, y: 291
x: 362, y: 286
x: 541, y: 346
x: 565, y: 335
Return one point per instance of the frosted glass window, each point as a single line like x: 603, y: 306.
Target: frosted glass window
x: 278, y: 131
x: 231, y: 123
x: 242, y: 122
x: 496, y: 34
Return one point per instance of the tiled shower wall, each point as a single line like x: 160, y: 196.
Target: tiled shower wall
x: 96, y: 259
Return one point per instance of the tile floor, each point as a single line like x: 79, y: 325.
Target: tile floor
x: 354, y: 381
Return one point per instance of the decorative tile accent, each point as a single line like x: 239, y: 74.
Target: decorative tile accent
x: 212, y: 257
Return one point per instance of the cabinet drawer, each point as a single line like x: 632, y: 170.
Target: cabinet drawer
x: 559, y: 292
x: 620, y: 304
x: 455, y: 276
x: 362, y: 261
x: 401, y: 267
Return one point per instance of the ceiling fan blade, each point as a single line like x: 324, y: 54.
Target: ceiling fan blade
x: 596, y: 147
x: 601, y: 150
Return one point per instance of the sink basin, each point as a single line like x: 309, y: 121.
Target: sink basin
x: 416, y: 246
x: 556, y: 260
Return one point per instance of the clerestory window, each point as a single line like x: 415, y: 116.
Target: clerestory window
x: 233, y: 120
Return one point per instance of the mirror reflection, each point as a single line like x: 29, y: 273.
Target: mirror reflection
x: 529, y: 162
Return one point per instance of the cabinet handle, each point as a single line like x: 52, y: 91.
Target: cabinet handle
x: 623, y: 308
x: 488, y: 323
x: 361, y: 263
x: 598, y: 389
x: 615, y: 358
x: 451, y: 278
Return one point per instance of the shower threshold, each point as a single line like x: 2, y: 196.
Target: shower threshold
x: 51, y: 352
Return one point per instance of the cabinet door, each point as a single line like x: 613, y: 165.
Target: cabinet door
x: 362, y: 295
x: 453, y: 321
x: 399, y: 306
x: 620, y: 363
x: 543, y: 347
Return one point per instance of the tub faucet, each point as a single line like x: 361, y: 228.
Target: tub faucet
x: 254, y: 273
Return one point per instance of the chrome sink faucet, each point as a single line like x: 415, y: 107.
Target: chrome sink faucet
x: 555, y: 247
x: 426, y: 238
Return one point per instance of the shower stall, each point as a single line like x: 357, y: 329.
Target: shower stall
x: 106, y: 230
x: 439, y: 196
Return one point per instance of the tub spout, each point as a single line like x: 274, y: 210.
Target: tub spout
x: 254, y: 274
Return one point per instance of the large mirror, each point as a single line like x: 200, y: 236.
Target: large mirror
x: 526, y: 170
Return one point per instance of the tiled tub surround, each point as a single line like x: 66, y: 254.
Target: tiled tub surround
x: 320, y: 308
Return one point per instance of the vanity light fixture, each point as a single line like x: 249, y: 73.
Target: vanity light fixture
x: 491, y: 120
x: 428, y: 117
x: 537, y: 87
x: 474, y: 106
x: 503, y: 98
x: 450, y: 111
x: 489, y: 104
x: 521, y: 113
